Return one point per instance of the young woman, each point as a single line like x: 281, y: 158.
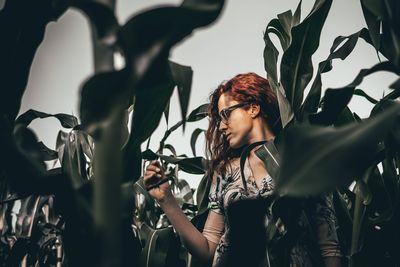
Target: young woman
x: 242, y: 111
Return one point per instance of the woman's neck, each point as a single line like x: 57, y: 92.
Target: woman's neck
x: 261, y: 131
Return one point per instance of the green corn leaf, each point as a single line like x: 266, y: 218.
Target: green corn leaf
x: 66, y: 120
x: 360, y: 92
x: 193, y: 139
x: 335, y: 100
x: 296, y: 66
x: 182, y: 76
x: 311, y: 102
x: 316, y: 159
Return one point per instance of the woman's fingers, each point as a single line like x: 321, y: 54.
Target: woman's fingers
x: 153, y: 168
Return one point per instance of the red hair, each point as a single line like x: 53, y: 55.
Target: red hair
x: 247, y: 87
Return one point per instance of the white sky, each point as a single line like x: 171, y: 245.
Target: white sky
x: 233, y: 44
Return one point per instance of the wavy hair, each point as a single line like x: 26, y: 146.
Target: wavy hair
x: 247, y: 87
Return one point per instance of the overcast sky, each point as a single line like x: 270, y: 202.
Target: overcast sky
x: 233, y: 44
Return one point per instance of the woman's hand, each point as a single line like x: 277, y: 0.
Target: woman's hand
x: 153, y: 175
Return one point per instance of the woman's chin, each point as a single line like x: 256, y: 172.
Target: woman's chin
x: 234, y: 144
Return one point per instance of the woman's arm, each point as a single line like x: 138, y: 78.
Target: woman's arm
x: 197, y: 244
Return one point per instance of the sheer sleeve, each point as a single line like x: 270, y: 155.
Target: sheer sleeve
x: 215, y: 225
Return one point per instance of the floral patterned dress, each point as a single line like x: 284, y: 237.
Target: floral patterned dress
x: 228, y: 189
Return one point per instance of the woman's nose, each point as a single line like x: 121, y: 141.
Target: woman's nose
x: 222, y: 126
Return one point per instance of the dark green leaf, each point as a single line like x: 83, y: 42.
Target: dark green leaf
x: 47, y: 153
x: 149, y: 155
x: 269, y: 154
x: 158, y: 246
x: 193, y: 139
x: 386, y: 12
x: 345, y: 117
x: 147, y: 38
x: 202, y: 193
x: 66, y: 120
x: 73, y: 159
x: 198, y: 113
x: 166, y: 112
x: 311, y: 102
x: 170, y: 148
x: 270, y: 57
x: 364, y: 94
x: 395, y: 85
x: 335, y: 100
x: 297, y: 15
x: 21, y: 32
x: 148, y: 109
x: 333, y: 103
x: 316, y: 159
x: 374, y: 26
x: 296, y: 66
x: 196, y: 165
x: 182, y: 76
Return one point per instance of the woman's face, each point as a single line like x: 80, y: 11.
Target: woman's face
x: 239, y: 123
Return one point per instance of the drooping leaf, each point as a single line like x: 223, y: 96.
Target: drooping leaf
x: 335, y: 100
x: 196, y: 165
x: 316, y: 159
x: 23, y: 149
x: 66, y: 120
x: 166, y: 112
x: 198, y: 113
x: 193, y: 139
x: 296, y: 66
x: 270, y: 57
x: 364, y: 94
x: 146, y: 40
x: 385, y: 12
x: 170, y: 148
x: 311, y: 102
x: 374, y: 26
x: 182, y: 76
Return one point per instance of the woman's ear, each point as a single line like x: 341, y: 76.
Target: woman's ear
x: 255, y: 110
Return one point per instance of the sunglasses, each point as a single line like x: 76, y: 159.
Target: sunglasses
x: 226, y: 112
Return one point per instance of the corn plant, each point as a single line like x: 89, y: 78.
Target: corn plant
x: 325, y: 147
x: 97, y: 216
